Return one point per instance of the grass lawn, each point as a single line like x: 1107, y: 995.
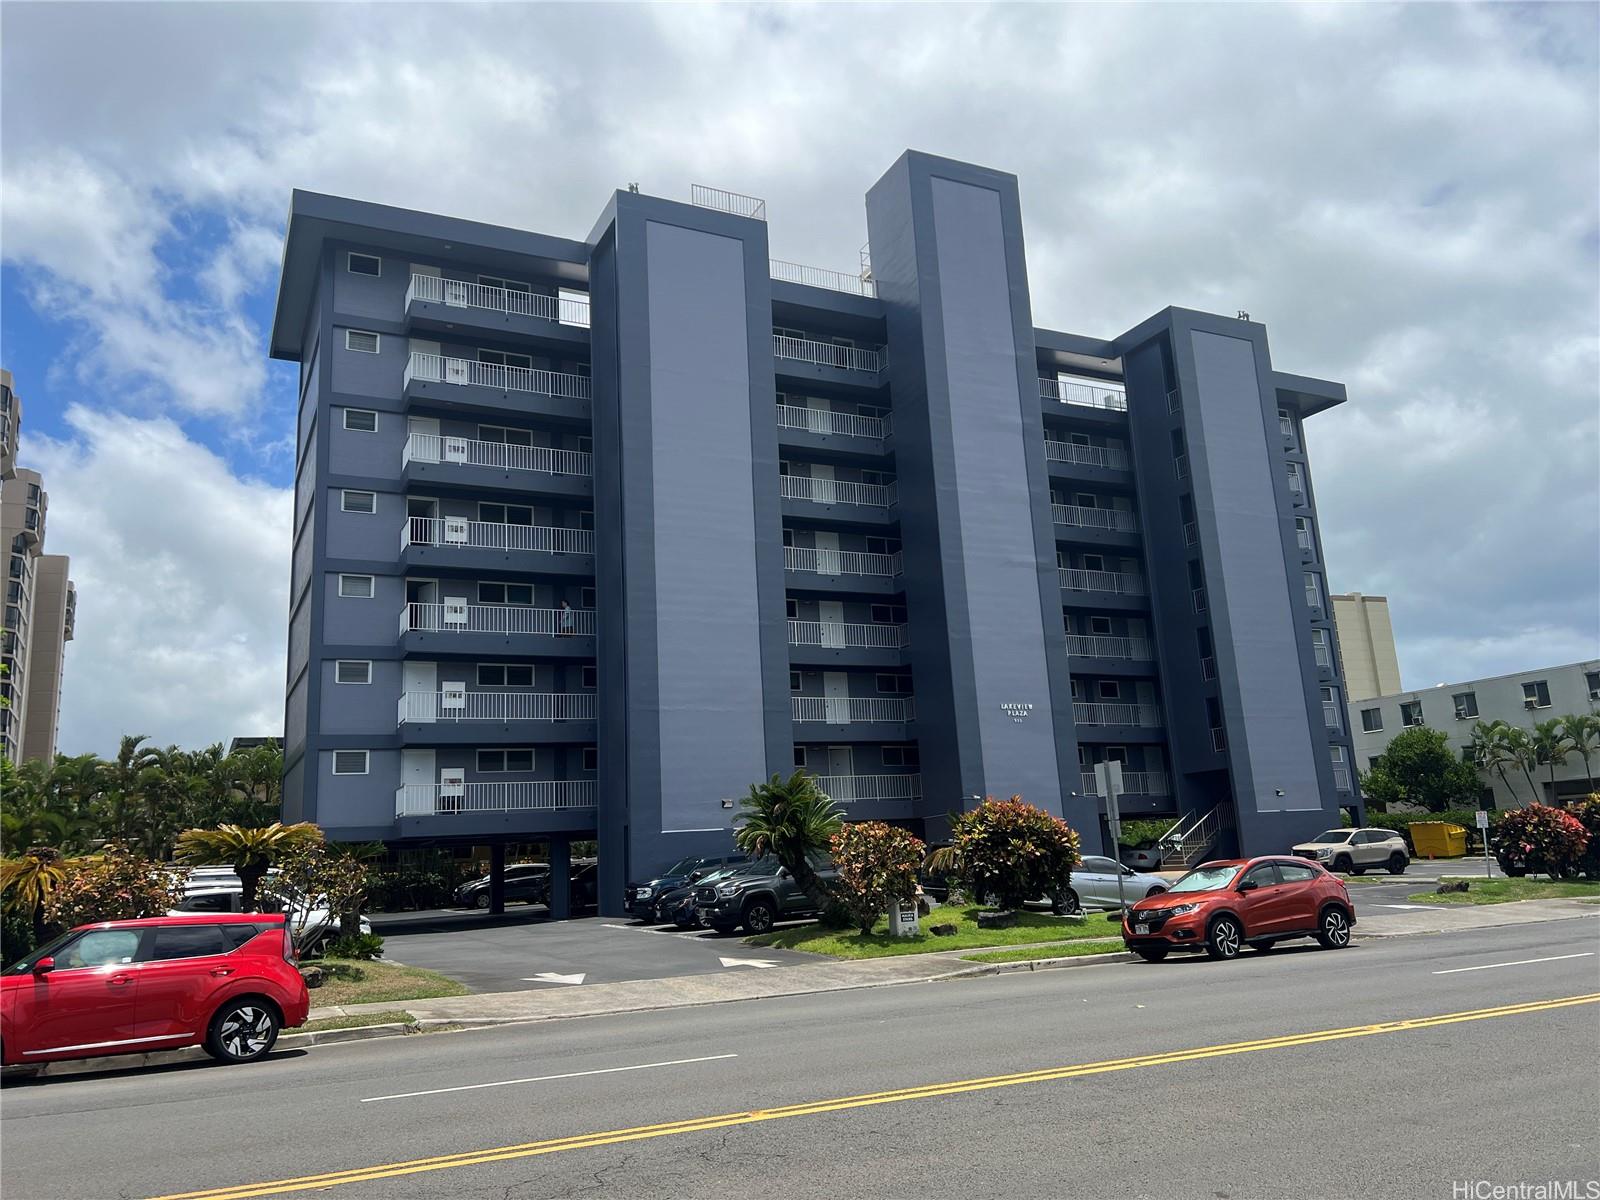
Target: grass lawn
x: 394, y: 1016
x: 350, y: 981
x: 1499, y: 891
x: 1026, y: 953
x: 848, y: 943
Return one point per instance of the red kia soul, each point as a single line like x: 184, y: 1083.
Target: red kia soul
x: 228, y: 982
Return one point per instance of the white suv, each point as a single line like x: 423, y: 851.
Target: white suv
x: 1352, y: 851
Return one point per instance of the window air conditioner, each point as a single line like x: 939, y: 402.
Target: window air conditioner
x: 1594, y: 693
x: 455, y: 449
x: 455, y: 611
x: 455, y: 531
x: 452, y: 783
x: 453, y: 696
x: 1530, y: 702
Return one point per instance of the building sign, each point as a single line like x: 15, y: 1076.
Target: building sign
x: 1016, y: 710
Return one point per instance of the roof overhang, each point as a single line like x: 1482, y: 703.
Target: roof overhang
x: 1309, y: 396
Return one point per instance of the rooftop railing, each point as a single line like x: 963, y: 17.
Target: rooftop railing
x: 729, y: 202
x: 438, y: 368
x: 458, y: 293
x: 834, y: 281
x: 827, y: 354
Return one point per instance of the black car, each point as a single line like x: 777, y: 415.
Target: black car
x: 755, y: 900
x: 642, y: 898
x: 678, y: 905
x: 526, y: 882
x: 583, y: 885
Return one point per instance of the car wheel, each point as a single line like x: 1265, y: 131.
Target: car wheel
x: 1068, y: 902
x: 1155, y: 891
x: 686, y: 921
x: 758, y: 916
x: 1333, y: 931
x: 1224, y: 938
x: 481, y: 900
x: 242, y: 1030
x: 1342, y: 864
x: 1355, y: 870
x: 1397, y: 863
x: 1152, y: 953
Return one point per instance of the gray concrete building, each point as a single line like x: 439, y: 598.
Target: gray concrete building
x: 590, y: 534
x: 1366, y: 645
x: 1523, y: 699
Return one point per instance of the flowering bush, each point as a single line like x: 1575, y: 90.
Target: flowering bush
x: 877, y: 865
x: 1539, y: 840
x: 116, y: 884
x: 1588, y: 814
x: 1013, y: 851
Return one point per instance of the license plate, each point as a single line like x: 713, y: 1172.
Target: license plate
x: 1141, y: 929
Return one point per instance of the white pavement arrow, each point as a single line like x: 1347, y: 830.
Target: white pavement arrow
x: 552, y: 977
x: 760, y: 963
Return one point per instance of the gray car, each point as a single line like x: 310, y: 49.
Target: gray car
x: 1094, y: 884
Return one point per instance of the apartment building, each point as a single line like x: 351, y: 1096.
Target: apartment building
x: 592, y: 534
x: 1366, y: 645
x: 1523, y: 699
x: 40, y: 606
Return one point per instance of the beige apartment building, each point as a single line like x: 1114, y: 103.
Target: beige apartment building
x: 1366, y: 644
x: 40, y: 604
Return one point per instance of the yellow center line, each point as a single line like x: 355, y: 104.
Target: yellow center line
x: 611, y: 1137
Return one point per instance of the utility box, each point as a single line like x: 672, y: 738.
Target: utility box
x: 903, y: 920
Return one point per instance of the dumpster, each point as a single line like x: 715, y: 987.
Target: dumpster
x: 1438, y: 839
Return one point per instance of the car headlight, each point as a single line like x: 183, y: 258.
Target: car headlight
x: 1178, y: 910
x: 1322, y: 851
x: 728, y: 890
x: 643, y: 893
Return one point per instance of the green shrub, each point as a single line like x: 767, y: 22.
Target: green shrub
x: 407, y: 888
x: 1539, y: 840
x: 877, y: 865
x: 117, y: 884
x: 1143, y: 835
x: 360, y: 945
x: 1012, y: 851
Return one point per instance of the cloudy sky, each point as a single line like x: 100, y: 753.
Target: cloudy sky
x: 1406, y: 195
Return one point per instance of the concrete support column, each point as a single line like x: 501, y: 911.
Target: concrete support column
x: 560, y: 879
x: 497, y: 877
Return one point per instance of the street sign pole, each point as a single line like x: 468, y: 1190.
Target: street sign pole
x: 1109, y: 776
x: 1483, y: 833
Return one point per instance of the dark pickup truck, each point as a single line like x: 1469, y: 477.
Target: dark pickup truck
x: 755, y: 902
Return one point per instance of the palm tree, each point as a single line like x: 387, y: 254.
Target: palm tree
x: 1523, y: 752
x: 793, y: 820
x: 248, y: 851
x: 27, y: 882
x: 1583, y: 732
x: 1492, y: 752
x: 1551, y: 747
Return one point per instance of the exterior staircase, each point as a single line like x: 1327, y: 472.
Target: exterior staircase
x: 1192, y: 837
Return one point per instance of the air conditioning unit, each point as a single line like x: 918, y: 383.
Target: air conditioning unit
x: 455, y: 610
x: 1594, y: 693
x: 453, y: 696
x: 455, y: 449
x: 452, y: 783
x: 455, y: 531
x: 1462, y: 715
x: 1530, y: 702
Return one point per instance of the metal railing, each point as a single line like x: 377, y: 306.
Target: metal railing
x: 460, y: 617
x: 822, y: 420
x: 1174, y: 401
x: 1197, y: 597
x: 841, y: 562
x: 1083, y: 394
x: 1303, y: 536
x: 1341, y: 778
x: 1323, y: 655
x: 502, y: 456
x: 852, y: 710
x: 1208, y: 667
x: 1188, y: 841
x: 438, y: 368
x: 1313, y: 597
x: 1123, y: 583
x: 840, y: 635
x: 827, y: 354
x: 1219, y: 740
x: 494, y: 535
x: 435, y: 799
x: 1089, y: 456
x: 1180, y: 466
x: 835, y: 281
x: 431, y: 707
x: 1095, y: 645
x: 1330, y: 715
x: 1134, y: 783
x: 1090, y: 713
x: 1093, y: 518
x: 1191, y: 534
x: 836, y: 491
x: 729, y: 202
x: 458, y: 293
x: 1296, y: 483
x: 847, y: 789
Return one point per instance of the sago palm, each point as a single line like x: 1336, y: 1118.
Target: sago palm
x: 28, y: 880
x: 248, y: 851
x: 793, y: 820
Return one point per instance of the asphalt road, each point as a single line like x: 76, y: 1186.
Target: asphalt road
x: 1391, y: 1111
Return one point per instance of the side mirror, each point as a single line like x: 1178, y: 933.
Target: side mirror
x: 44, y: 966
x: 1247, y: 886
x: 783, y: 872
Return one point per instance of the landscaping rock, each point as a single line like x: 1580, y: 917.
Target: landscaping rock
x: 1459, y: 885
x: 944, y: 930
x: 313, y: 976
x: 997, y: 920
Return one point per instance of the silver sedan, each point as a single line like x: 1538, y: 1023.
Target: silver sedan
x: 1095, y: 883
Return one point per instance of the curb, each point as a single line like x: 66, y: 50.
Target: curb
x: 977, y: 970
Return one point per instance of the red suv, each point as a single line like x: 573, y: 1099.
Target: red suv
x: 1221, y: 906
x: 225, y: 981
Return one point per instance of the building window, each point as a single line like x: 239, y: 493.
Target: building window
x: 494, y: 762
x: 358, y: 502
x: 500, y: 435
x: 352, y: 670
x: 792, y: 607
x: 894, y: 685
x: 505, y: 593
x: 794, y: 681
x: 1108, y: 689
x: 1466, y: 705
x: 505, y: 514
x: 585, y: 445
x: 883, y: 545
x: 1469, y: 755
x: 1372, y: 720
x: 362, y: 420
x: 350, y: 762
x: 1592, y: 679
x: 591, y: 677
x: 591, y: 758
x: 800, y: 756
x: 1100, y: 625
x: 502, y: 358
x: 356, y: 587
x: 1411, y: 713
x: 365, y: 264
x: 505, y: 675
x: 1536, y: 694
x: 888, y: 614
x: 901, y: 756
x: 361, y: 341
x: 509, y: 285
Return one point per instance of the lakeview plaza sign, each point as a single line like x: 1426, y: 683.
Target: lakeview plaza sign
x: 1017, y: 710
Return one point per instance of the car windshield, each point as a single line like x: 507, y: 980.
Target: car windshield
x: 48, y: 950
x: 683, y: 866
x: 1205, y: 879
x: 1333, y: 835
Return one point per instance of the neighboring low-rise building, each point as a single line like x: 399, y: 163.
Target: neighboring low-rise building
x: 1366, y: 645
x: 1524, y: 698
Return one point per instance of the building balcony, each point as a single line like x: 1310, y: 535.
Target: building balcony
x: 1191, y: 534
x: 491, y: 545
x: 825, y: 423
x: 1113, y: 520
x: 1104, y: 457
x: 1113, y: 583
x: 853, y: 710
x: 1094, y: 645
x: 815, y: 361
x: 1142, y: 716
x: 434, y: 303
x: 1084, y: 395
x: 1341, y: 779
x: 457, y: 627
x: 849, y: 789
x: 836, y: 491
x: 1134, y: 783
x: 841, y: 562
x: 1330, y: 716
x: 454, y: 705
x: 840, y: 644
x: 467, y: 462
x: 1323, y: 655
x: 443, y: 381
x: 1302, y: 538
x: 448, y: 800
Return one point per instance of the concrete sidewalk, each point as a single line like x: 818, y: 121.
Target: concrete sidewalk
x: 1454, y: 918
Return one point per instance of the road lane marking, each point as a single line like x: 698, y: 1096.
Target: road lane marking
x: 759, y: 963
x: 552, y: 977
x: 1521, y: 962
x: 472, y: 1087
x: 611, y: 1137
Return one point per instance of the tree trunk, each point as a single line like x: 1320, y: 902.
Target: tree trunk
x: 809, y: 882
x: 349, y: 924
x: 1506, y: 779
x: 250, y: 879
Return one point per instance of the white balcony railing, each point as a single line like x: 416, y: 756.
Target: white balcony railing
x: 1089, y: 456
x: 852, y: 710
x: 840, y: 635
x: 1093, y: 518
x: 433, y: 799
x: 1323, y: 655
x: 1094, y: 645
x: 1219, y: 740
x: 500, y: 456
x: 494, y: 535
x: 1180, y: 466
x: 1303, y: 536
x: 1313, y: 597
x: 458, y: 293
x: 1208, y: 667
x: 835, y: 281
x: 1146, y: 715
x: 1174, y: 401
x: 847, y: 789
x: 460, y: 617
x: 827, y: 354
x: 1087, y: 395
x: 1296, y: 484
x: 821, y: 420
x: 1134, y: 783
x: 438, y: 368
x: 836, y: 491
x: 1330, y: 715
x: 728, y: 202
x: 1123, y: 583
x: 446, y: 706
x: 1341, y: 778
x: 1191, y: 534
x: 841, y: 562
x: 1197, y: 597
